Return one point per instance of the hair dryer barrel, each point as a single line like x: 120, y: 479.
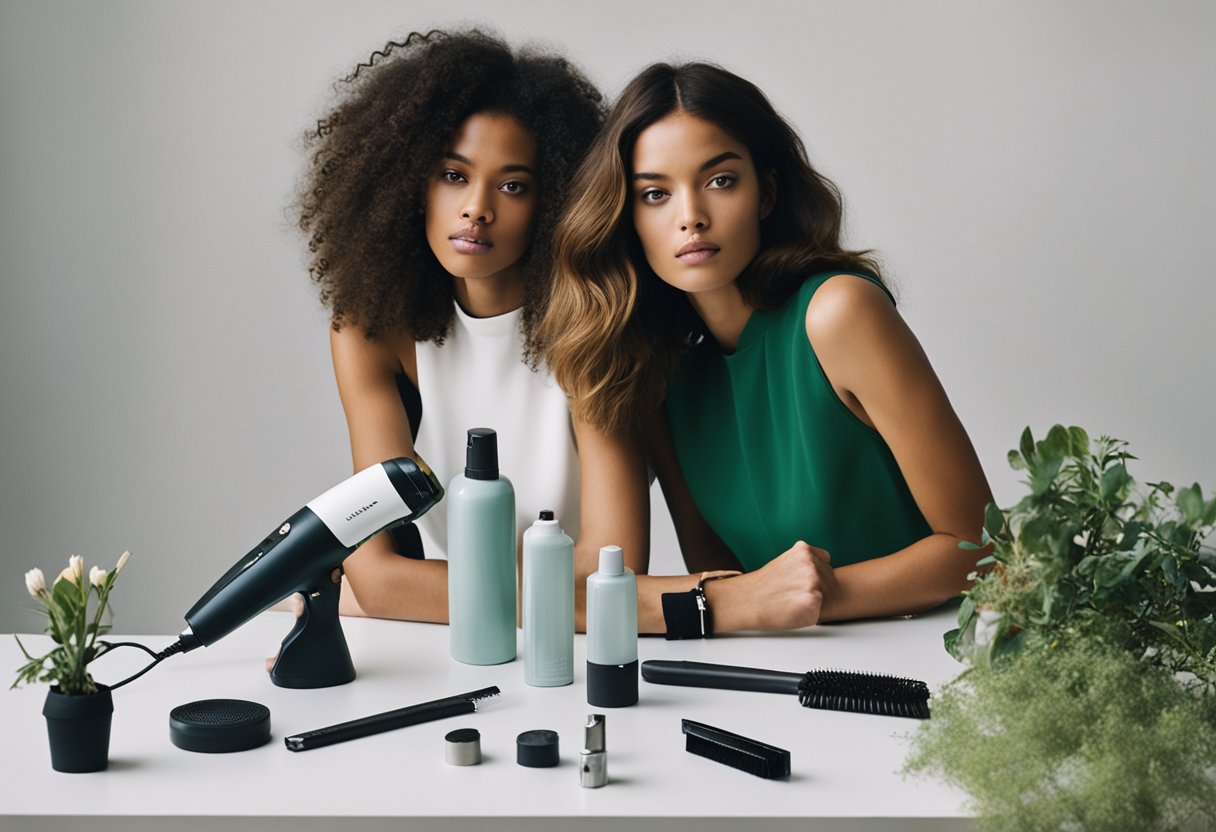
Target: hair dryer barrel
x: 312, y: 542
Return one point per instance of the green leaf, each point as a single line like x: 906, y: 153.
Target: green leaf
x: 1190, y: 503
x: 1209, y: 513
x: 1114, y: 480
x: 994, y: 522
x: 1043, y: 474
x: 966, y: 612
x: 1169, y: 629
x: 1164, y: 487
x: 1036, y: 532
x: 65, y: 595
x: 1169, y: 568
x: 1133, y: 563
x: 1016, y: 462
x: 1057, y: 444
x: 1027, y: 445
x: 1078, y: 441
x: 950, y: 640
x: 1131, y: 534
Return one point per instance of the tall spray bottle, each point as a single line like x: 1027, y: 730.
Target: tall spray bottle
x: 612, y: 632
x: 481, y: 556
x: 548, y: 604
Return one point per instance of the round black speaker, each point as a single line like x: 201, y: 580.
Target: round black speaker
x: 217, y: 726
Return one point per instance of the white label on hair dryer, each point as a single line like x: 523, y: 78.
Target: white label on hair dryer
x: 359, y: 507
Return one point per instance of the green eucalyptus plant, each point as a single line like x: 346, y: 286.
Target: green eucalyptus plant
x: 1083, y: 737
x: 1090, y: 700
x: 1088, y: 553
x: 75, y: 606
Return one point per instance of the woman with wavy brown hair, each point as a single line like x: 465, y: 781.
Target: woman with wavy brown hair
x: 429, y: 204
x: 797, y: 428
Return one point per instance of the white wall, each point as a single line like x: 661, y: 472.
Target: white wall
x: 1038, y: 176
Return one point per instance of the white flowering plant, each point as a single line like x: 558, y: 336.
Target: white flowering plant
x: 75, y: 606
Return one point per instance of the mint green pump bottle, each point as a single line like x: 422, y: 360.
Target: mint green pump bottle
x: 481, y: 556
x: 548, y: 604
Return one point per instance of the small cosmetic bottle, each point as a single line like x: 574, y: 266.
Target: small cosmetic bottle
x: 481, y: 556
x: 548, y: 604
x: 612, y: 632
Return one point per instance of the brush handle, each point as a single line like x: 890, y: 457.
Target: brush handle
x: 704, y: 675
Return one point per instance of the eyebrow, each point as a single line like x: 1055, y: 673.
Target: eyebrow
x: 709, y: 163
x: 456, y: 157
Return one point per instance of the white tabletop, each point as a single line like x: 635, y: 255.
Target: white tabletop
x: 845, y: 767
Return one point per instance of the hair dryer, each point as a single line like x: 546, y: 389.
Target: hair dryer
x: 299, y: 556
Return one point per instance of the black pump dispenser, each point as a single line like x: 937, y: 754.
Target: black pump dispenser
x: 481, y: 454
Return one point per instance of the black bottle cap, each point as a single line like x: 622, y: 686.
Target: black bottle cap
x: 612, y: 685
x: 536, y: 749
x: 481, y: 455
x: 546, y: 514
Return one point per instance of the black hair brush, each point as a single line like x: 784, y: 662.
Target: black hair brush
x: 835, y: 690
x: 743, y: 753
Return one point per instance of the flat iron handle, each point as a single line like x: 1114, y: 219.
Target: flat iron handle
x: 728, y: 677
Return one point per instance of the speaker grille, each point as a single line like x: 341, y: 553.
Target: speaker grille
x: 219, y: 725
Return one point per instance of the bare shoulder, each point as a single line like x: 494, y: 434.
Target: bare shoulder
x: 389, y: 353
x: 844, y: 303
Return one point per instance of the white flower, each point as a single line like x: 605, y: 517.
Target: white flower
x: 97, y: 577
x: 67, y: 575
x: 122, y: 561
x: 76, y: 564
x: 35, y: 582
x: 987, y: 627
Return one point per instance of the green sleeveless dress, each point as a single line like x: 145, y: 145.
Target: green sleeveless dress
x: 772, y: 455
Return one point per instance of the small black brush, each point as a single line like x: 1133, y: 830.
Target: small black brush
x: 835, y: 690
x: 745, y: 754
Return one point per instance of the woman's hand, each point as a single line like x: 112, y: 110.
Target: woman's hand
x: 786, y: 593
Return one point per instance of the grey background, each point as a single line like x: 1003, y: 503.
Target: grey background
x: 1038, y: 177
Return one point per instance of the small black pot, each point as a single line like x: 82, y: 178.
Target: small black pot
x: 78, y: 726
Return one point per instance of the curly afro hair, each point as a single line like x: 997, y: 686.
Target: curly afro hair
x: 361, y: 202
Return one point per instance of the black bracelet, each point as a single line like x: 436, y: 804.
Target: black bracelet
x: 687, y: 614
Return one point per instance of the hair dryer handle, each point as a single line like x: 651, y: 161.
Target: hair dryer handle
x: 314, y: 654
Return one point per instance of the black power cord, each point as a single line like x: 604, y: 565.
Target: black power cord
x: 173, y: 649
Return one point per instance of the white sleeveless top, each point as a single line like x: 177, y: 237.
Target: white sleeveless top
x: 478, y: 379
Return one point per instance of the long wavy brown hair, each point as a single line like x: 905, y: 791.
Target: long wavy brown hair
x: 361, y: 202
x: 614, y: 332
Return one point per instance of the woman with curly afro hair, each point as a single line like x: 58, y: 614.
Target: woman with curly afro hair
x: 433, y: 191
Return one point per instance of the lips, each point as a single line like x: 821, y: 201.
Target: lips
x: 696, y: 251
x: 468, y: 243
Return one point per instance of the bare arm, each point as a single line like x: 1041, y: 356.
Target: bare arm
x: 384, y: 584
x: 881, y: 373
x: 614, y: 507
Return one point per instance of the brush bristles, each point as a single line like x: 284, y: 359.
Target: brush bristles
x: 736, y: 751
x: 864, y: 693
